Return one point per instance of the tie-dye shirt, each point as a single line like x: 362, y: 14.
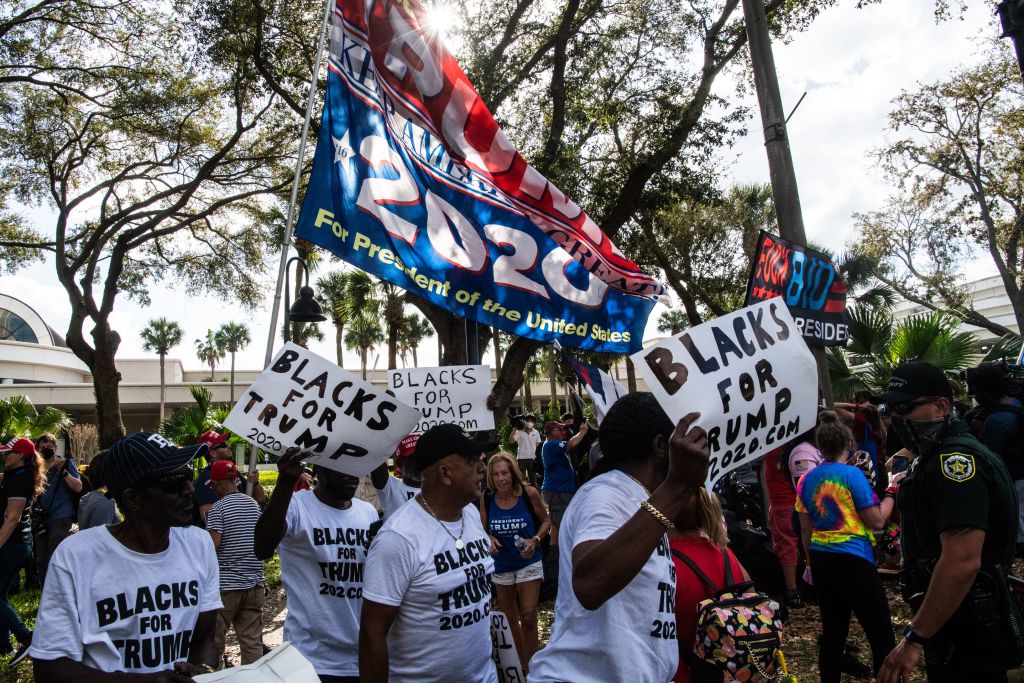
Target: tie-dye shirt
x: 832, y: 494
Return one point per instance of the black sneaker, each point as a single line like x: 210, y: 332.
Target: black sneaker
x: 855, y: 667
x: 793, y: 599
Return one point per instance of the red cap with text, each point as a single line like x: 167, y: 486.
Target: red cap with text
x: 407, y: 446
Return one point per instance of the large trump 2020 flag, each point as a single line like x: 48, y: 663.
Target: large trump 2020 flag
x: 414, y: 182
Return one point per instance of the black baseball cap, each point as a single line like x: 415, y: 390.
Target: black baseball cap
x: 912, y: 380
x: 142, y: 457
x: 443, y: 440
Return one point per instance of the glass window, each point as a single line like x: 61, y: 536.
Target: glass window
x: 14, y: 328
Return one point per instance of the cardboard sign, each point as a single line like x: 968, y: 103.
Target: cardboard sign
x: 283, y: 664
x: 750, y: 376
x: 454, y: 394
x: 808, y: 281
x: 304, y: 400
x: 503, y: 652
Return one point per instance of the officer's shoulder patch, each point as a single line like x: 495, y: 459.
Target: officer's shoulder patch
x: 957, y: 466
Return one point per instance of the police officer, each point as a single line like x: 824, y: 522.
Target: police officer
x: 959, y: 527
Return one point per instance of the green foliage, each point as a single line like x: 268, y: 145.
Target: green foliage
x: 19, y: 417
x: 956, y: 162
x: 186, y: 424
x: 209, y: 350
x: 415, y: 328
x: 233, y: 337
x: 673, y: 321
x: 26, y: 603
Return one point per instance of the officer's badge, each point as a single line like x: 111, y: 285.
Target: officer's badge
x: 957, y: 466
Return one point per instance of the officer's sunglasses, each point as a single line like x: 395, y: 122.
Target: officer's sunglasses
x: 908, y: 407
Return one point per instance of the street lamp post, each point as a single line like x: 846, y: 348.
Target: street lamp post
x: 1011, y: 16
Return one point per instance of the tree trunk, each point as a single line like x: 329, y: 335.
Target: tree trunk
x: 232, y: 378
x: 340, y: 332
x: 392, y: 345
x: 451, y: 331
x: 213, y: 371
x: 362, y: 361
x: 163, y: 356
x: 496, y: 338
x: 512, y: 376
x: 552, y: 381
x: 527, y: 396
x: 415, y: 361
x: 297, y: 327
x: 630, y: 376
x: 106, y: 380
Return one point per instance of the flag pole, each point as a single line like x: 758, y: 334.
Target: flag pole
x: 286, y: 241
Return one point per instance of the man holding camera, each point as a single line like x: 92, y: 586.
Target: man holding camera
x: 55, y: 508
x: 959, y: 526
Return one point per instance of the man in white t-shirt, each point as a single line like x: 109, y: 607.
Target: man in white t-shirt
x: 394, y: 492
x: 138, y: 597
x: 321, y: 537
x: 426, y: 601
x: 615, y: 611
x: 527, y: 439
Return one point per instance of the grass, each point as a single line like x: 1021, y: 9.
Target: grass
x: 26, y: 604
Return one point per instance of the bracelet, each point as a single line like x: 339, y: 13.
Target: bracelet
x: 665, y: 521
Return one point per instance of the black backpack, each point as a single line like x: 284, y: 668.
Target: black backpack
x: 1013, y: 449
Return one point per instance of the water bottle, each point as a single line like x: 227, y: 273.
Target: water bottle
x: 520, y: 542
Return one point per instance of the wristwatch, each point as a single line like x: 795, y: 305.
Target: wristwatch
x: 914, y: 637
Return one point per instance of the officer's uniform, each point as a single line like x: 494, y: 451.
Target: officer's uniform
x: 959, y: 484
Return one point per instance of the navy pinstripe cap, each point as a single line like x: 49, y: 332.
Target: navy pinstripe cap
x: 142, y: 457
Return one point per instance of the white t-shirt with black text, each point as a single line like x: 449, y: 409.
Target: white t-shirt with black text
x: 322, y: 561
x: 394, y: 495
x: 631, y: 637
x: 114, y: 609
x: 443, y: 629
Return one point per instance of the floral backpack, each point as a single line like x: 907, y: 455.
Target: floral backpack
x: 739, y: 633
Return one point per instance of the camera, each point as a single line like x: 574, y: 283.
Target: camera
x: 994, y: 379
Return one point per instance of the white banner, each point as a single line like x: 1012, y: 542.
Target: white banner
x: 504, y: 654
x: 304, y: 400
x: 750, y: 376
x: 283, y: 664
x: 454, y: 394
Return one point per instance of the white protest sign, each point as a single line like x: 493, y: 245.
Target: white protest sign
x: 503, y: 651
x: 307, y: 401
x: 750, y: 376
x: 283, y: 664
x: 454, y: 394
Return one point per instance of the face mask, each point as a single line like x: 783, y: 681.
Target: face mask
x: 529, y: 425
x: 48, y: 453
x: 918, y: 434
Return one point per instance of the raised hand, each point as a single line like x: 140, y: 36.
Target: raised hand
x: 688, y: 454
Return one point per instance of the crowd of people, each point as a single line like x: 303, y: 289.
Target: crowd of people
x: 166, y: 560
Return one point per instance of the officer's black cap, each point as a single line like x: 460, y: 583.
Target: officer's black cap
x: 913, y: 380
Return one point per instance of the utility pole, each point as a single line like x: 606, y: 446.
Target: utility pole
x: 780, y: 159
x: 1011, y: 16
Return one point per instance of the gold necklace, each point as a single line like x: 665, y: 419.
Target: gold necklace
x: 459, y: 545
x: 637, y: 482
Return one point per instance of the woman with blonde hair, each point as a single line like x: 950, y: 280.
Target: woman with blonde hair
x: 24, y: 480
x: 699, y: 537
x: 517, y: 522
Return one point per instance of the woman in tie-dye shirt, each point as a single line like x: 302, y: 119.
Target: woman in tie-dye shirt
x: 837, y: 511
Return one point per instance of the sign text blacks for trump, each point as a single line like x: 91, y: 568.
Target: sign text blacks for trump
x: 454, y: 394
x: 307, y: 401
x: 750, y: 376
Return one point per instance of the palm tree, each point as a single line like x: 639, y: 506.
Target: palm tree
x: 414, y: 330
x: 233, y: 337
x: 303, y: 333
x: 392, y: 308
x: 159, y: 336
x: 880, y: 345
x: 532, y: 371
x: 19, y: 418
x: 209, y: 350
x: 673, y: 321
x: 331, y: 288
x: 363, y: 333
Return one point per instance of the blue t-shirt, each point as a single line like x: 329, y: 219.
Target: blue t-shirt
x: 558, y: 473
x: 56, y: 499
x: 505, y: 525
x: 833, y: 494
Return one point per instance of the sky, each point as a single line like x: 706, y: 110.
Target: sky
x: 851, y: 62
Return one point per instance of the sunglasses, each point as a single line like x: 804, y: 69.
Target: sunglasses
x: 908, y: 406
x: 172, y: 483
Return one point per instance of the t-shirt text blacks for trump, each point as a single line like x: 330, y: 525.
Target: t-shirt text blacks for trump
x: 306, y: 401
x: 750, y: 376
